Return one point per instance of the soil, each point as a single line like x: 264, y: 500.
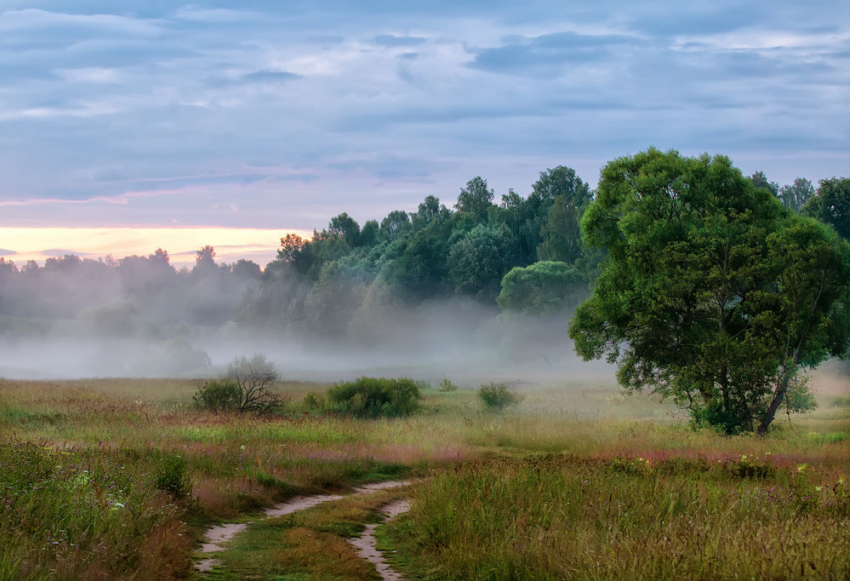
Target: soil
x: 366, y: 544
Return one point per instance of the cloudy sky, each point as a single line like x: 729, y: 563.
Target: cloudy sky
x: 275, y: 116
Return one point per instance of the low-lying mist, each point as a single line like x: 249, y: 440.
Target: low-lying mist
x: 454, y: 338
x: 139, y: 317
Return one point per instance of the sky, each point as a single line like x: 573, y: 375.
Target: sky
x: 246, y: 120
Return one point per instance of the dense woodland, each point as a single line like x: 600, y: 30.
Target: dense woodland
x: 348, y: 278
x: 705, y: 285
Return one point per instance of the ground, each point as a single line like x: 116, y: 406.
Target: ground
x: 116, y: 478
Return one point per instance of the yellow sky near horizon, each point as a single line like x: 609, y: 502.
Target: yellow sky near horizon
x: 20, y: 244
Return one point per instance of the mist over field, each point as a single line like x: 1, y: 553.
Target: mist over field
x: 88, y: 319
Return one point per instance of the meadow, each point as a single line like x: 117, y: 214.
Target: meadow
x: 120, y: 478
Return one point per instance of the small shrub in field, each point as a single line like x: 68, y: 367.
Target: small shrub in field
x: 496, y: 396
x: 371, y: 397
x: 245, y: 388
x: 172, y: 477
x: 447, y: 385
x: 217, y: 396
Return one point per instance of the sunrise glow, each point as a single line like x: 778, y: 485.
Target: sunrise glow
x: 260, y: 245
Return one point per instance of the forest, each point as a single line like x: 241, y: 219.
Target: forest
x: 516, y: 269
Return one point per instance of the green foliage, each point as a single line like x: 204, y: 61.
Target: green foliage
x: 315, y: 401
x: 247, y: 387
x: 496, y: 396
x: 796, y: 195
x: 562, y: 232
x: 713, y: 292
x: 542, y: 287
x: 447, y: 385
x: 88, y: 514
x: 173, y: 477
x: 478, y: 261
x: 831, y: 205
x: 217, y: 396
x: 799, y: 399
x: 371, y: 397
x: 759, y: 180
x: 475, y: 199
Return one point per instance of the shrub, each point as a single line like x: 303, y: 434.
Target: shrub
x: 245, y: 388
x: 370, y: 397
x: 496, y: 396
x: 447, y: 385
x: 218, y: 395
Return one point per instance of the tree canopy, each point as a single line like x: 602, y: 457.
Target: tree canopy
x: 831, y: 205
x: 713, y: 292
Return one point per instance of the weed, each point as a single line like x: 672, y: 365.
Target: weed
x: 173, y: 478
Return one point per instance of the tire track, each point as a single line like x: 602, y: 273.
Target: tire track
x: 218, y: 536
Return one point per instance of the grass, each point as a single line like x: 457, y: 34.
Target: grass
x: 559, y: 517
x: 574, y: 482
x: 309, y: 545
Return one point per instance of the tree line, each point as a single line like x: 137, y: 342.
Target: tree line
x: 702, y: 283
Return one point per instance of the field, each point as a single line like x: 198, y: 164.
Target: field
x: 120, y: 479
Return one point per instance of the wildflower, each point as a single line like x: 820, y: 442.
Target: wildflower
x: 818, y: 488
x: 801, y: 468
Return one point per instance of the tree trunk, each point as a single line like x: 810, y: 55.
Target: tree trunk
x: 778, y: 397
x: 779, y: 392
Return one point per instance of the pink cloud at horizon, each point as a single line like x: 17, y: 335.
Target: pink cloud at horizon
x: 20, y: 244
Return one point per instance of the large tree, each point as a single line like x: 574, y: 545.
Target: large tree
x: 712, y: 292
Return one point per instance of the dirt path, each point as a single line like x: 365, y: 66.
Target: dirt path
x: 219, y: 535
x: 366, y: 544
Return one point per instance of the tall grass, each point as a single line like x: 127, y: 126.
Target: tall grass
x: 568, y: 518
x: 71, y: 453
x: 87, y: 514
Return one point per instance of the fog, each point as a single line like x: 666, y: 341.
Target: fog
x: 139, y: 318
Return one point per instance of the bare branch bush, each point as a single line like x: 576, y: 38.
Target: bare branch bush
x: 247, y: 387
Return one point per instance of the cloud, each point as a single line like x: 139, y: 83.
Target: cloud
x: 195, y: 13
x: 60, y: 252
x: 269, y: 76
x: 4, y: 252
x: 392, y: 40
x: 537, y: 55
x: 296, y: 112
x: 697, y: 19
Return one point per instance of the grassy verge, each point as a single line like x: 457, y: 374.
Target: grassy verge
x: 562, y: 517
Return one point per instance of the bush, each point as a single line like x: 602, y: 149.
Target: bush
x: 370, y: 397
x: 496, y: 396
x: 447, y: 385
x: 217, y: 396
x: 245, y: 388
